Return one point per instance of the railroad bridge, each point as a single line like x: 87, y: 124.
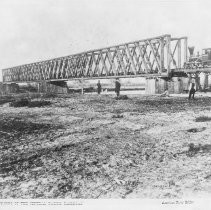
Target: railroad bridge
x: 159, y: 57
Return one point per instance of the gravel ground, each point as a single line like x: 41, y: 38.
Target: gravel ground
x: 90, y: 146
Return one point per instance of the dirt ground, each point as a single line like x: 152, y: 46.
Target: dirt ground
x: 90, y: 146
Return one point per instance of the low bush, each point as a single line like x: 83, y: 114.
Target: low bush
x: 117, y: 116
x: 50, y: 95
x: 39, y: 103
x: 20, y: 102
x: 122, y: 97
x: 26, y: 102
x: 203, y: 119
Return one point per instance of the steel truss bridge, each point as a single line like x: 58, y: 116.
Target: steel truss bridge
x: 160, y: 56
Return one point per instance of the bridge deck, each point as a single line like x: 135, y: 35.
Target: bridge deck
x: 193, y: 71
x: 176, y: 72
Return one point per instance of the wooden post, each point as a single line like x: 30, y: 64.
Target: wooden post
x: 82, y: 86
x: 38, y: 87
x: 205, y: 81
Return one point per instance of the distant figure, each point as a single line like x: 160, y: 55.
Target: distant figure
x: 117, y: 87
x: 192, y: 91
x: 99, y: 88
x: 166, y: 93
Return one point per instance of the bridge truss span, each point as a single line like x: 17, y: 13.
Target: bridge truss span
x: 154, y: 56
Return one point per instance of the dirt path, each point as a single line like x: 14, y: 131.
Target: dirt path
x: 97, y: 147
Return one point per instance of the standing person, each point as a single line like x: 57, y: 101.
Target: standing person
x: 192, y: 91
x: 117, y: 87
x: 99, y: 87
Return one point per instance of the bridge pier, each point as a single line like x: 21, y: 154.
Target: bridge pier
x: 2, y: 89
x: 204, y: 80
x: 150, y: 86
x: 46, y: 87
x: 209, y: 81
x: 159, y: 85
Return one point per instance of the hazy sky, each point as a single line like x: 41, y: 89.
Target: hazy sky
x: 33, y: 30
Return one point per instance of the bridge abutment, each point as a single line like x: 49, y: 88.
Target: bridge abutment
x: 9, y: 88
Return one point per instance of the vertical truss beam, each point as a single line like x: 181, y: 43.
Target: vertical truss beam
x: 185, y: 49
x: 168, y: 46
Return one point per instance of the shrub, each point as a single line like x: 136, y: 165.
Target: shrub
x: 122, y: 97
x: 26, y: 102
x: 50, y: 95
x: 39, y: 103
x: 203, y: 119
x: 20, y: 102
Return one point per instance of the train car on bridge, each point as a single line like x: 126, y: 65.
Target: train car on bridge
x: 198, y: 61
